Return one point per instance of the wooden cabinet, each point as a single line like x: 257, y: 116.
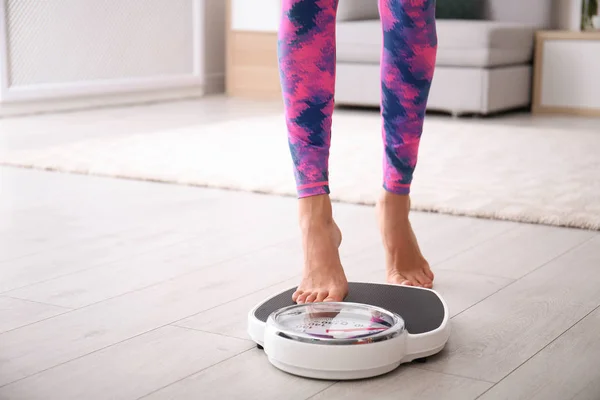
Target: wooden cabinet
x: 252, y: 67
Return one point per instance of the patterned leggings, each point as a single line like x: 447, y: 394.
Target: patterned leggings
x: 307, y: 63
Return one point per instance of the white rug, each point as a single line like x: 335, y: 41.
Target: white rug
x: 485, y: 170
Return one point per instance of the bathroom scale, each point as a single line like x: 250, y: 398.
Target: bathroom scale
x: 375, y: 329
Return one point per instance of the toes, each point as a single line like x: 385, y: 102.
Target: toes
x: 418, y: 282
x: 418, y: 278
x: 426, y: 279
x: 296, y: 295
x: 311, y: 297
x: 422, y: 279
x: 302, y: 298
x: 429, y: 273
x: 322, y: 296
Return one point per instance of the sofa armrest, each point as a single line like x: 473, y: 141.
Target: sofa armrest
x: 353, y: 10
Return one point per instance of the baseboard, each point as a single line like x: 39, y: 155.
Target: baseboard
x: 215, y: 84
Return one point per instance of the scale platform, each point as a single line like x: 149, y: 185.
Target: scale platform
x: 375, y: 329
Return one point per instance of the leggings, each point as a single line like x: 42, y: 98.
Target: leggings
x: 307, y: 65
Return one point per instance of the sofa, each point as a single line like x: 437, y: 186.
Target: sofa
x: 484, y: 59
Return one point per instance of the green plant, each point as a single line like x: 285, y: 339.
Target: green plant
x: 589, y: 9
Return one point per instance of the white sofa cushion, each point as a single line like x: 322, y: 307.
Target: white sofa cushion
x: 538, y: 13
x: 461, y: 43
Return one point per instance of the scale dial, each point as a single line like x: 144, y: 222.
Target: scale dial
x: 336, y: 323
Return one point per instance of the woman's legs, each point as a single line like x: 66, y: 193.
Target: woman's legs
x: 307, y: 72
x: 307, y: 66
x: 407, y: 66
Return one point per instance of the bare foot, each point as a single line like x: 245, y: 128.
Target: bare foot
x: 323, y: 275
x: 404, y: 262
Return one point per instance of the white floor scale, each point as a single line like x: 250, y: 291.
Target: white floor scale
x: 375, y: 329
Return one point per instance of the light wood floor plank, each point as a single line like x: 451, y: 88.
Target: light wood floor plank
x: 590, y: 392
x: 567, y: 368
x: 43, y: 345
x: 15, y: 313
x: 497, y: 335
x: 52, y: 212
x: 231, y: 319
x: 517, y: 252
x: 97, y: 284
x: 129, y: 231
x: 130, y: 369
x: 77, y: 210
x: 248, y: 376
x: 68, y: 259
x: 406, y: 383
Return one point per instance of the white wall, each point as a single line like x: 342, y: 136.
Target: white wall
x: 255, y: 15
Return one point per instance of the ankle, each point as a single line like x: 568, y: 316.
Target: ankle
x: 387, y: 197
x: 395, y: 206
x: 315, y: 210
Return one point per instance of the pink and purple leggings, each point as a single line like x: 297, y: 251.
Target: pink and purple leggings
x: 307, y: 62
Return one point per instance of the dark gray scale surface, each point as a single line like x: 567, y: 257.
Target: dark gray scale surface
x: 421, y: 310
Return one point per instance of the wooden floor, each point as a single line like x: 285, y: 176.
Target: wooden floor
x: 116, y: 289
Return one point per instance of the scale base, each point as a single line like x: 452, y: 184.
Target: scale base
x: 421, y: 360
x: 334, y: 375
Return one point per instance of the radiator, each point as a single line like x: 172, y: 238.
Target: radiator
x: 65, y: 48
